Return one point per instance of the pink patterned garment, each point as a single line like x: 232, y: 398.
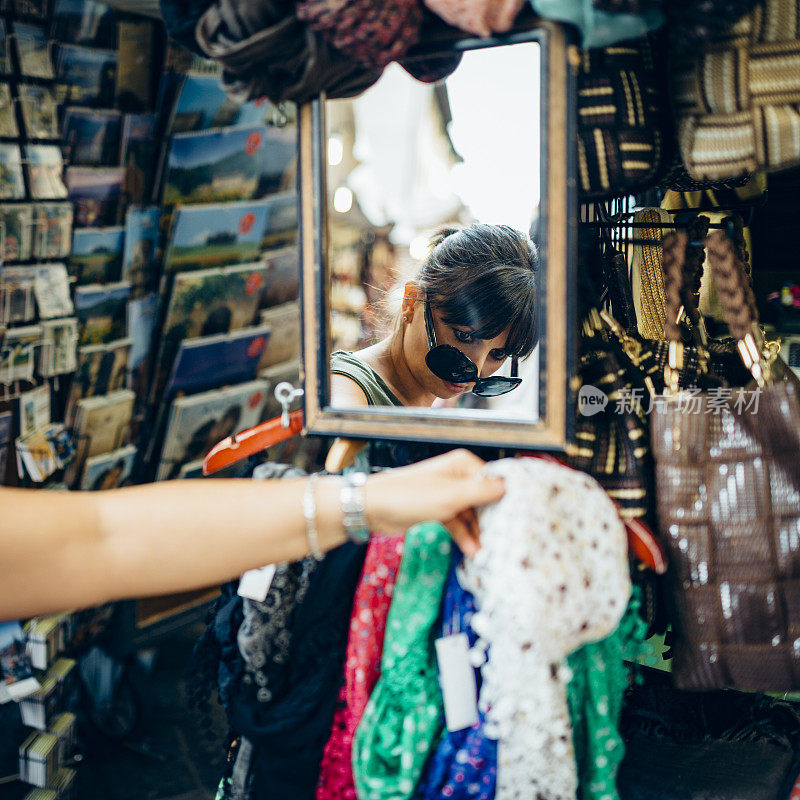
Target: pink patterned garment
x: 362, y: 665
x: 795, y: 793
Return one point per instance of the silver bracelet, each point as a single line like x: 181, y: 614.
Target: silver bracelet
x: 310, y: 513
x: 353, y: 514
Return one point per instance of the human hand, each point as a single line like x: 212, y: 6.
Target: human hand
x: 481, y: 18
x: 447, y: 488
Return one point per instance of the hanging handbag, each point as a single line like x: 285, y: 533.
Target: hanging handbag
x: 728, y: 506
x: 736, y: 98
x: 621, y: 103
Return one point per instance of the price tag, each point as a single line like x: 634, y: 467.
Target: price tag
x: 457, y: 678
x: 255, y: 583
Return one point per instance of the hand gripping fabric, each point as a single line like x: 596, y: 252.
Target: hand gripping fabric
x: 551, y: 575
x: 403, y: 719
x: 362, y: 663
x: 464, y: 766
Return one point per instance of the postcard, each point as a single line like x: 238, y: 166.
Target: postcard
x: 101, y: 312
x: 140, y: 253
x: 225, y: 164
x: 101, y: 369
x: 32, y: 8
x: 282, y: 278
x: 282, y: 221
x: 8, y: 119
x: 16, y: 671
x: 96, y: 193
x: 6, y: 418
x: 217, y: 360
x: 91, y: 137
x: 202, y: 103
x: 102, y: 424
x: 139, y: 155
x: 45, y: 165
x: 58, y: 354
x: 85, y: 76
x: 37, y: 455
x: 205, y: 303
x: 109, y: 470
x: 39, y: 111
x: 134, y: 69
x: 33, y: 51
x: 51, y: 287
x: 16, y: 228
x: 216, y: 235
x: 199, y: 422
x: 213, y: 301
x: 284, y: 343
x: 96, y: 254
x: 5, y: 48
x: 17, y: 355
x: 12, y: 185
x: 52, y: 234
x: 34, y: 409
x: 84, y: 22
x: 142, y: 313
x: 17, y: 298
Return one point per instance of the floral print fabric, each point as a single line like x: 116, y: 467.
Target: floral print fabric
x: 403, y: 719
x: 362, y: 663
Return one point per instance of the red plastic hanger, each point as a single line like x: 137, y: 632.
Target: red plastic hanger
x: 252, y: 441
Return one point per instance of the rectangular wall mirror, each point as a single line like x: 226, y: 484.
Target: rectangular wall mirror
x: 471, y: 340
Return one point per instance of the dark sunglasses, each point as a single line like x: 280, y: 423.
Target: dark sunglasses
x: 451, y: 365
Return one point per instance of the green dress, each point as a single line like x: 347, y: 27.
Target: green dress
x: 403, y: 721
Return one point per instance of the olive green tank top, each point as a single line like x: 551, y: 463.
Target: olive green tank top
x: 373, y: 386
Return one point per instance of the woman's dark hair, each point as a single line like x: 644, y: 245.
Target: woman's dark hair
x: 484, y: 277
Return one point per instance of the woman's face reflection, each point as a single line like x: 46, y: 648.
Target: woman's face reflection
x: 487, y: 354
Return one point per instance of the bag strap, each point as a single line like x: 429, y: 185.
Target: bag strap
x: 738, y: 302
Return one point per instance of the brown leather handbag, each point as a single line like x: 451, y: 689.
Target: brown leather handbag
x: 728, y: 500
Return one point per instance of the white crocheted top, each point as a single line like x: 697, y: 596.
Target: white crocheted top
x: 552, y: 574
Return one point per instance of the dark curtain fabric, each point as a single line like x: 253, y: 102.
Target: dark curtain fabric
x: 718, y: 745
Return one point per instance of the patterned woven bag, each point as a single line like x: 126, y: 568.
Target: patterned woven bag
x: 621, y: 144
x: 736, y: 98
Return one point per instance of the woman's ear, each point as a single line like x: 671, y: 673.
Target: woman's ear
x: 410, y: 297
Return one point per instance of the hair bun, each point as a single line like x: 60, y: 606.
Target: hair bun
x: 442, y: 233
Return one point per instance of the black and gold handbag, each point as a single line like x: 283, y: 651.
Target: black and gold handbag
x: 622, y: 147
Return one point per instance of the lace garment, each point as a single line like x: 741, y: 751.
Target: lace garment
x: 464, y: 765
x: 403, y: 719
x: 551, y: 575
x: 362, y: 663
x: 288, y: 732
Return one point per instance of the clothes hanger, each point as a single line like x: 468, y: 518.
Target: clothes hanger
x: 250, y: 442
x: 343, y: 453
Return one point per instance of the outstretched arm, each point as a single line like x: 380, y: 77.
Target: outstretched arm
x: 75, y: 549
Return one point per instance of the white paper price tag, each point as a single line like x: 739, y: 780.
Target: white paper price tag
x: 255, y: 583
x: 457, y: 678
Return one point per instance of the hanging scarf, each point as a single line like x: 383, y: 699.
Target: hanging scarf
x: 362, y: 664
x: 551, y: 575
x: 599, y: 680
x: 288, y: 731
x: 403, y: 719
x: 464, y: 766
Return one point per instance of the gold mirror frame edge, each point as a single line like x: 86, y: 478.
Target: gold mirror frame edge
x: 551, y: 431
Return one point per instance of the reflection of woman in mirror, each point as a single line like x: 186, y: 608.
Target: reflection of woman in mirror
x: 469, y: 309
